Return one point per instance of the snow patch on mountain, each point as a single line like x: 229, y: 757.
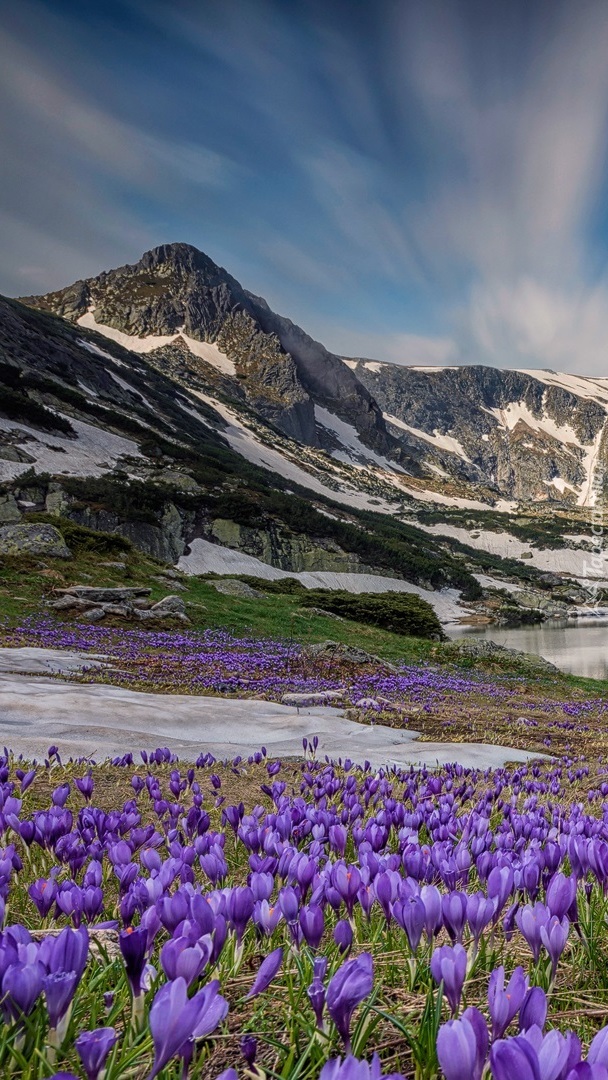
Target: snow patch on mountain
x: 242, y: 439
x: 93, y: 453
x: 204, y: 349
x: 442, y: 442
x: 350, y: 440
x: 517, y: 411
x: 576, y: 563
x: 581, y: 385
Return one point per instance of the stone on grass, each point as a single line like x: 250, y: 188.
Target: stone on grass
x: 316, y: 697
x: 336, y: 650
x: 94, y: 614
x: 232, y: 587
x: 105, y: 596
x: 33, y: 539
x: 170, y: 604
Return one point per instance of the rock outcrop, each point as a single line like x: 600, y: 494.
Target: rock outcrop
x: 33, y: 539
x: 94, y: 603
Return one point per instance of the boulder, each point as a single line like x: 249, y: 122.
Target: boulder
x: 488, y: 650
x: 232, y: 587
x: 169, y: 605
x: 70, y: 603
x: 99, y: 595
x: 316, y: 697
x: 339, y: 652
x: 94, y: 614
x: 155, y: 616
x: 33, y: 539
x: 9, y: 511
x: 320, y: 611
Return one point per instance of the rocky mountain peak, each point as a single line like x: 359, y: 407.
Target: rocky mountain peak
x: 177, y: 289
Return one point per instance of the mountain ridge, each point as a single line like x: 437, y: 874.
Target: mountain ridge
x: 523, y: 435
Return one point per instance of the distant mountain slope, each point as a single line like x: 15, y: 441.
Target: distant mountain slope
x: 157, y: 444
x: 530, y: 435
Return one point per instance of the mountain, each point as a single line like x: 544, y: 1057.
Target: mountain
x: 176, y: 296
x: 527, y: 435
x: 474, y: 432
x: 164, y: 402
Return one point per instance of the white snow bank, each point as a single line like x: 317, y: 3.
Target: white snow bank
x: 349, y: 437
x: 579, y: 564
x: 208, y: 558
x: 93, y: 453
x: 204, y: 349
x: 442, y: 442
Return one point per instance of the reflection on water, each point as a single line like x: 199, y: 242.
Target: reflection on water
x: 580, y: 648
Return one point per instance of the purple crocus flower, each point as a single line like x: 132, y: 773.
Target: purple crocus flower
x: 353, y: 1069
x: 411, y: 915
x: 454, y: 912
x: 266, y: 972
x: 133, y: 946
x: 431, y: 898
x: 449, y: 966
x: 531, y: 920
x: 312, y: 924
x: 316, y: 990
x: 533, y: 1012
x: 514, y: 1058
x: 21, y: 988
x: 505, y: 1003
x: 179, y: 957
x: 59, y: 989
x: 249, y: 1049
x: 347, y: 988
x: 462, y: 1046
x: 480, y: 912
x: 93, y: 1049
x: 343, y: 936
x: 85, y: 786
x: 554, y: 937
x: 175, y: 1021
x: 560, y: 894
x: 598, y: 1051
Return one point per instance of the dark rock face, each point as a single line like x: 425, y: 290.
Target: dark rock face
x: 176, y: 288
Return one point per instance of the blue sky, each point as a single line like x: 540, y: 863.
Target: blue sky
x: 423, y: 182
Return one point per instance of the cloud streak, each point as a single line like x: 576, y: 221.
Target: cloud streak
x: 421, y: 182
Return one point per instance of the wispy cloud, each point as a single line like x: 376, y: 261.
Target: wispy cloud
x: 421, y: 182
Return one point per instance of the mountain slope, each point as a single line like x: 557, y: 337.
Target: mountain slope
x: 178, y: 294
x: 472, y: 433
x: 529, y: 435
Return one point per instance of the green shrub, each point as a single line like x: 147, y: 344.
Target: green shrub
x: 79, y: 538
x: 16, y: 405
x: 401, y: 613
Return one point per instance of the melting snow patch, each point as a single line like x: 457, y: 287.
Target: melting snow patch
x: 93, y: 453
x: 442, y: 442
x: 204, y: 349
x: 208, y: 558
x: 350, y: 440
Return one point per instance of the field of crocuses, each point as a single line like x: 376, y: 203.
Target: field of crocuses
x: 265, y: 919
x: 307, y: 920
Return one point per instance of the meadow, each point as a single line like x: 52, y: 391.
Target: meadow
x: 308, y: 919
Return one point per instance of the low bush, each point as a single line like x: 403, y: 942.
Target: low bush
x: 79, y: 538
x: 401, y: 613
